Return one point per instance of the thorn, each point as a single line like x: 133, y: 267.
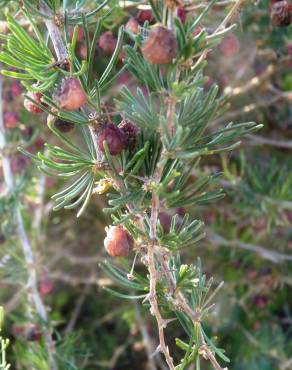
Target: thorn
x: 158, y: 350
x: 147, y: 298
x: 130, y: 276
x: 168, y: 321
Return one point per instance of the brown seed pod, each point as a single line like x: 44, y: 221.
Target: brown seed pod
x: 107, y: 42
x: 30, y: 106
x: 132, y: 26
x: 59, y: 124
x: 116, y: 139
x: 181, y: 13
x: 64, y: 126
x: 118, y: 242
x: 46, y: 286
x: 11, y: 119
x: 160, y: 46
x: 15, y: 88
x: 144, y: 15
x: 19, y: 163
x: 281, y: 13
x: 131, y: 130
x: 165, y: 221
x: 70, y: 95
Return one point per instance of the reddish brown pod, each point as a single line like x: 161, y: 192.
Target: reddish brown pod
x: 261, y: 301
x: 39, y: 143
x: 19, y: 163
x: 229, y: 46
x: 160, y: 46
x: 46, y: 286
x: 64, y: 126
x: 70, y: 95
x: 118, y: 242
x: 82, y: 51
x: 181, y: 13
x: 281, y: 13
x: 116, y: 139
x: 144, y: 15
x: 11, y: 119
x: 132, y: 26
x: 131, y: 131
x: 31, y: 106
x: 15, y: 88
x: 165, y: 221
x: 124, y: 78
x: 107, y: 42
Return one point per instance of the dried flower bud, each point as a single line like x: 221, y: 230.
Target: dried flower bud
x: 281, y: 13
x: 181, y: 13
x: 144, y: 15
x: 118, y: 241
x: 64, y: 126
x: 165, y: 221
x: 46, y: 286
x: 50, y: 183
x: 11, y: 119
x: 39, y: 143
x: 261, y: 301
x: 116, y: 139
x: 30, y: 106
x: 82, y: 51
x: 15, y: 88
x: 70, y: 95
x: 160, y: 46
x: 124, y: 78
x: 19, y: 163
x: 107, y: 42
x: 131, y: 130
x: 27, y: 132
x: 132, y: 26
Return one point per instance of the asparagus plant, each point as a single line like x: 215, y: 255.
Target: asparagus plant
x: 140, y: 148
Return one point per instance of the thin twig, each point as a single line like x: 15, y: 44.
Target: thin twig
x: 259, y: 140
x: 272, y: 256
x: 245, y: 110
